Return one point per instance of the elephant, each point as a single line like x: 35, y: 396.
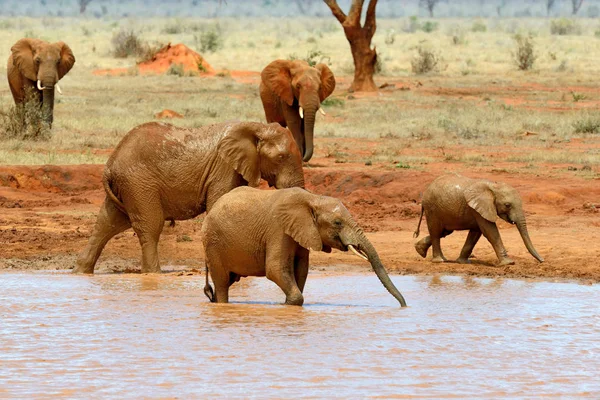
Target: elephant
x: 161, y: 172
x: 36, y: 66
x: 454, y: 202
x: 291, y: 93
x: 251, y: 232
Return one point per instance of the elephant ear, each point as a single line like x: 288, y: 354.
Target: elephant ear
x: 297, y: 218
x: 67, y: 59
x: 480, y: 198
x: 239, y: 148
x: 327, y: 81
x: 278, y: 78
x: 22, y: 53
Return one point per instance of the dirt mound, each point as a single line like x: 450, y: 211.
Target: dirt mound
x: 178, y: 54
x: 52, y: 178
x: 167, y: 114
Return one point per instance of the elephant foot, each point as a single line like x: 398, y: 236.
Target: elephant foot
x: 421, y: 249
x: 296, y: 300
x: 505, y: 261
x: 461, y: 260
x: 438, y: 259
x: 151, y: 270
x: 81, y: 268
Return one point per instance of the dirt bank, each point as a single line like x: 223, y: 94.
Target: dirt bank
x: 47, y: 213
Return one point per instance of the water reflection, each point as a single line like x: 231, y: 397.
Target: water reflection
x: 158, y: 336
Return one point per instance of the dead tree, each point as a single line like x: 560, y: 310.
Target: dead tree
x: 576, y: 5
x: 429, y: 5
x: 83, y: 5
x: 549, y: 5
x: 359, y: 38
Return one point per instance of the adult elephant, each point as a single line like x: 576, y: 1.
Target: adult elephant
x: 291, y: 93
x: 161, y: 172
x: 36, y: 66
x: 252, y: 232
x: 454, y: 202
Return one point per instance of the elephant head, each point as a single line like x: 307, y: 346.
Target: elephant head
x: 43, y: 63
x: 302, y: 88
x: 493, y: 199
x: 266, y: 151
x: 321, y: 223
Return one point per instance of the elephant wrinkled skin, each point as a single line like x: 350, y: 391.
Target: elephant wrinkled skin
x: 252, y: 232
x: 291, y: 93
x: 36, y: 66
x: 161, y: 172
x: 454, y: 202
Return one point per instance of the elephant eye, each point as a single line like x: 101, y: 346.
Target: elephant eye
x: 38, y: 60
x: 507, y: 205
x: 337, y: 223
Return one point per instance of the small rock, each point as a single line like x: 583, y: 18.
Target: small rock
x: 368, y: 162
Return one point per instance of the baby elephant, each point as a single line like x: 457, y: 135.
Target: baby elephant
x: 454, y: 202
x: 251, y: 232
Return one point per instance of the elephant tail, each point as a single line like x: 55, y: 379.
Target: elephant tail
x: 418, y: 231
x: 208, y: 290
x: 106, y: 181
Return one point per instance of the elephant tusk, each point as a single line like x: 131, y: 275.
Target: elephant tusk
x: 301, y: 113
x: 39, y: 85
x: 58, y: 89
x: 322, y: 111
x: 352, y: 249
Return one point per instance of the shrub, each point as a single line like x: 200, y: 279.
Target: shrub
x: 126, y: 43
x: 524, y: 55
x: 413, y: 25
x: 333, y: 102
x: 564, y: 26
x: 147, y: 51
x: 24, y: 121
x: 479, y: 26
x: 588, y: 125
x: 173, y: 28
x: 313, y: 57
x: 429, y: 26
x: 209, y: 41
x: 424, y: 61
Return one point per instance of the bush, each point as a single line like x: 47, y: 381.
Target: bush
x: 479, y: 26
x: 173, y: 28
x: 424, y: 61
x: 413, y: 25
x: 588, y: 125
x: 126, y: 43
x: 524, y: 55
x: 564, y: 26
x: 313, y: 57
x: 148, y: 51
x: 429, y: 26
x: 209, y: 41
x: 24, y: 121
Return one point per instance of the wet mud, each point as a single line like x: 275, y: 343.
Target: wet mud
x: 114, y: 335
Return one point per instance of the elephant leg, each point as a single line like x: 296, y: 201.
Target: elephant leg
x: 148, y: 229
x: 280, y: 270
x: 423, y: 245
x: 221, y: 278
x: 491, y: 233
x: 301, y: 267
x: 110, y: 221
x: 438, y: 256
x: 467, y: 249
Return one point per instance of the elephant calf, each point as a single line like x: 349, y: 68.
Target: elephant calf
x: 454, y: 202
x: 251, y: 232
x: 160, y: 172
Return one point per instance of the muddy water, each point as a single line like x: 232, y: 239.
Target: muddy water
x: 123, y: 336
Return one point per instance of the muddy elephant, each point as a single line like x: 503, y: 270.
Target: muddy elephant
x: 35, y: 66
x: 161, y: 172
x: 291, y: 93
x: 454, y: 202
x: 252, y: 232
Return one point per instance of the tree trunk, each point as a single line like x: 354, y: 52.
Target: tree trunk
x: 365, y: 59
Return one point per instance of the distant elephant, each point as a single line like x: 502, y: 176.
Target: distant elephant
x: 252, y: 232
x: 454, y: 202
x: 161, y: 172
x: 37, y: 66
x: 291, y: 93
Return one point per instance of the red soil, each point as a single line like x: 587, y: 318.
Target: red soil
x: 168, y: 114
x: 178, y: 54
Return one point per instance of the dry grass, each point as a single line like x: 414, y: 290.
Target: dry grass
x: 96, y: 112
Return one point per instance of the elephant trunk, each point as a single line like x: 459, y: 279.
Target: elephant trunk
x: 365, y: 246
x: 309, y: 127
x: 48, y: 105
x: 522, y: 227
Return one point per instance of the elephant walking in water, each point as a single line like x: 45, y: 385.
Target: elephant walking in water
x: 291, y: 93
x: 251, y: 232
x: 161, y: 172
x: 36, y: 66
x: 454, y: 202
